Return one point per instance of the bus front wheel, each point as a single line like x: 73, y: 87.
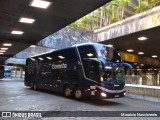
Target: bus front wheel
x: 77, y: 93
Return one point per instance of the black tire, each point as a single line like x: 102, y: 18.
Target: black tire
x: 34, y: 86
x: 78, y: 93
x: 67, y: 92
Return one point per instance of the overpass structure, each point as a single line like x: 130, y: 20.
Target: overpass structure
x: 138, y: 36
x: 25, y: 22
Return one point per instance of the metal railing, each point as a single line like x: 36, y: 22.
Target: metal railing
x: 152, y: 80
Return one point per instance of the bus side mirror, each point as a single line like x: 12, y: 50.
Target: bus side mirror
x: 128, y: 65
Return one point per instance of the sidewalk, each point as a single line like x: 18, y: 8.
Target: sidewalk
x: 141, y: 97
x: 11, y: 79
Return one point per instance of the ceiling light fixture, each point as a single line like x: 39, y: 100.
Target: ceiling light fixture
x: 49, y: 58
x: 110, y: 45
x: 135, y: 63
x: 27, y: 20
x: 32, y: 58
x: 32, y: 46
x: 140, y: 53
x: 40, y: 4
x: 17, y: 32
x: 41, y: 58
x: 130, y: 50
x: 142, y: 38
x: 7, y: 44
x: 61, y: 57
x: 4, y: 48
x: 89, y: 54
x: 154, y: 56
x: 1, y: 53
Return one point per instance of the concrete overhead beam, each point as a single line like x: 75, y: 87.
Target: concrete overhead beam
x: 139, y: 22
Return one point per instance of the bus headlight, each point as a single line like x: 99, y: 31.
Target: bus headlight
x: 103, y: 94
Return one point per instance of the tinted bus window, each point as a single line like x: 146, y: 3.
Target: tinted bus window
x: 91, y: 68
x: 87, y: 51
x: 67, y: 54
x: 108, y: 54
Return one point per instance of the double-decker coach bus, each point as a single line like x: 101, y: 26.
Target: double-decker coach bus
x: 93, y: 70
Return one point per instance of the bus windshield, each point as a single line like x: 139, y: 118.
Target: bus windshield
x: 110, y: 71
x: 114, y: 75
x: 113, y: 72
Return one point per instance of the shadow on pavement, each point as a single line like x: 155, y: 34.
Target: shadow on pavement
x: 100, y: 102
x: 92, y: 101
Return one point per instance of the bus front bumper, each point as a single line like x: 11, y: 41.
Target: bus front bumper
x: 107, y: 93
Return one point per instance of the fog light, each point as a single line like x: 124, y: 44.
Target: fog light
x: 103, y: 95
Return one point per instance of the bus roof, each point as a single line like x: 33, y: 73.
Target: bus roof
x: 92, y: 44
x: 76, y: 45
x: 42, y: 53
x: 85, y: 44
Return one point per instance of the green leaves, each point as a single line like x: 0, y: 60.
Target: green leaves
x: 111, y: 13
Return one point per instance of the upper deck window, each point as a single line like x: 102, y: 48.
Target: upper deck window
x: 108, y: 53
x: 87, y: 51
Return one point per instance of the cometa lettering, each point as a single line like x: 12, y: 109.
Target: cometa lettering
x: 60, y: 66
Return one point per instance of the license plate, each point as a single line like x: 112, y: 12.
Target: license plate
x: 116, y: 96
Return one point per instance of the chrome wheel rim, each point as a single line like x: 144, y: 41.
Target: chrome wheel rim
x: 78, y: 93
x: 67, y: 92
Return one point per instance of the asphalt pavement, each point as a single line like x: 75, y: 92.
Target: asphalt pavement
x: 14, y: 96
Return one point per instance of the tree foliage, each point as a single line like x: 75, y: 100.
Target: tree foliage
x: 110, y: 13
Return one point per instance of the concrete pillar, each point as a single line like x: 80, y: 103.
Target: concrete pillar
x: 154, y: 79
x: 11, y: 73
x: 144, y: 78
x: 158, y: 78
x: 15, y: 72
x: 21, y: 72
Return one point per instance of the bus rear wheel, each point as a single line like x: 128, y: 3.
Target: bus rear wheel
x: 67, y: 92
x: 77, y: 93
x: 34, y: 86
